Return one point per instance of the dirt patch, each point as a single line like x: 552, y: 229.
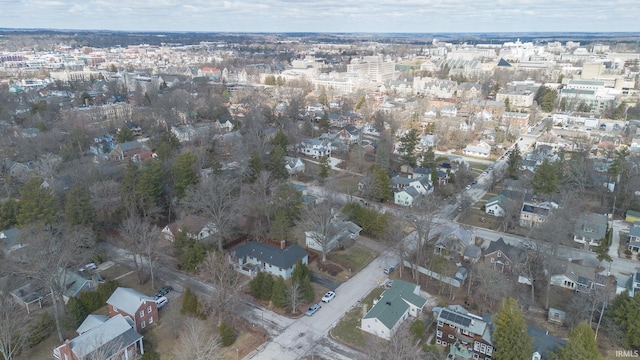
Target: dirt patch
x: 329, y: 268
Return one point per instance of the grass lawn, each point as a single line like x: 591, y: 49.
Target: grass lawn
x: 354, y: 258
x: 347, y: 183
x: 348, y: 328
x: 474, y: 217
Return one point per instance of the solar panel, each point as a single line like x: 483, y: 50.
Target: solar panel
x: 456, y: 318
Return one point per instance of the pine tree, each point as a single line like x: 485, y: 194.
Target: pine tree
x: 277, y: 164
x: 37, y: 204
x: 279, y: 293
x: 78, y: 209
x: 280, y: 140
x: 581, y: 344
x: 124, y: 135
x: 324, y: 168
x: 254, y: 168
x: 227, y: 336
x: 184, y: 174
x: 513, y: 163
x: 280, y: 225
x: 510, y: 336
x: 9, y: 213
x: 150, y: 187
x: 408, y: 143
x: 266, y: 287
x: 255, y: 285
x: 545, y: 179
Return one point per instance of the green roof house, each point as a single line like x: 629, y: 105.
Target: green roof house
x: 392, y: 308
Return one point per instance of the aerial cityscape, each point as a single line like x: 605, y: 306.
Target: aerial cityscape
x: 310, y: 180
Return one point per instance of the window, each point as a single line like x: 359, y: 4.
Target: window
x: 66, y: 357
x: 476, y: 356
x: 499, y: 254
x: 141, y: 313
x: 440, y: 323
x: 451, y: 326
x: 451, y: 336
x: 437, y: 342
x: 142, y: 324
x: 493, y: 260
x: 115, y: 308
x: 439, y: 333
x: 151, y: 320
x: 149, y: 309
x: 464, y: 332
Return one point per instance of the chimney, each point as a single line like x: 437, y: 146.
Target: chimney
x: 283, y: 244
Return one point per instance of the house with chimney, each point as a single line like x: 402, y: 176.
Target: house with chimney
x: 466, y: 335
x: 392, y: 308
x: 139, y: 308
x: 101, y: 337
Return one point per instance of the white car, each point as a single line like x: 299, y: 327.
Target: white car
x: 328, y: 296
x: 468, y: 187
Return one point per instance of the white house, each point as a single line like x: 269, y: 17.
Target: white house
x: 315, y: 148
x: 496, y: 206
x: 294, y: 165
x: 480, y: 150
x: 406, y: 196
x: 337, y: 232
x: 393, y: 307
x: 196, y: 227
x: 590, y: 229
x: 254, y: 256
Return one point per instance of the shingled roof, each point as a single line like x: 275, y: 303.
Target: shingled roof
x: 282, y: 258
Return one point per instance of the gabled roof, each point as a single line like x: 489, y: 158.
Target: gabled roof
x: 130, y: 145
x: 503, y: 63
x: 394, y: 303
x: 110, y: 337
x: 284, y: 258
x: 92, y: 321
x: 455, y: 231
x: 509, y: 251
x: 498, y: 199
x: 128, y: 300
x: 634, y: 230
x: 460, y: 318
x: 411, y: 191
x: 591, y: 226
x: 543, y: 343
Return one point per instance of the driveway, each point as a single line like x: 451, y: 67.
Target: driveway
x: 324, y: 281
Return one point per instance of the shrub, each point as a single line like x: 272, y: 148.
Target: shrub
x: 76, y: 313
x: 41, y: 330
x: 190, y: 304
x: 227, y: 336
x: 279, y: 293
x: 150, y: 355
x: 418, y: 328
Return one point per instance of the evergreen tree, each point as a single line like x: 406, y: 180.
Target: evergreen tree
x: 192, y: 255
x: 279, y: 293
x: 289, y: 199
x: 254, y: 168
x: 324, y: 168
x: 37, y: 204
x: 151, y: 185
x: 306, y: 289
x: 227, y: 336
x: 76, y: 312
x: 408, y: 143
x: 184, y: 174
x: 266, y: 287
x: 581, y: 344
x: 255, y: 285
x: 129, y: 185
x: 9, y: 213
x: 280, y: 226
x: 383, y: 153
x: 324, y: 124
x: 167, y: 145
x: 124, y: 135
x: 379, y: 185
x: 624, y: 312
x: 429, y: 158
x: 513, y: 163
x: 510, y: 336
x: 277, y: 164
x: 78, y: 208
x: 280, y: 140
x: 545, y: 179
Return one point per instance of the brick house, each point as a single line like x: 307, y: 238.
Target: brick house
x: 138, y: 307
x: 467, y: 335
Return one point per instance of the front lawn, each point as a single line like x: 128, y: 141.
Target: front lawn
x: 348, y: 330
x: 352, y: 259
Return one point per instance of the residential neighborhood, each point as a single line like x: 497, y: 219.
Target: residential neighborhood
x: 297, y: 196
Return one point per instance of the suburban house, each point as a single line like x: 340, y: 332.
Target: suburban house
x: 74, y: 283
x: 480, y: 150
x: 467, y: 335
x: 226, y: 124
x: 338, y: 231
x: 632, y: 216
x: 406, y: 196
x: 101, y: 337
x: 393, y: 307
x: 502, y: 256
x: 197, y: 228
x: 126, y: 150
x: 590, y: 228
x: 294, y: 165
x: 633, y: 239
x: 454, y: 239
x: 533, y: 214
x: 315, y: 148
x: 350, y: 134
x: 496, y: 205
x: 253, y: 256
x: 138, y: 307
x: 578, y: 277
x: 544, y: 345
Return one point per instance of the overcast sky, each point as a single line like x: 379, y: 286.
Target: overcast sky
x: 420, y: 16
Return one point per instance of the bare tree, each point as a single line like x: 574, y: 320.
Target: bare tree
x: 143, y: 240
x: 197, y: 342
x: 215, y: 198
x: 397, y: 239
x: 320, y: 227
x: 424, y: 211
x: 106, y: 198
x: 401, y: 346
x: 492, y: 285
x: 12, y: 330
x: 224, y: 278
x: 294, y: 297
x: 56, y: 251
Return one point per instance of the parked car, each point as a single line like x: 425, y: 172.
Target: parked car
x: 389, y: 269
x: 328, y: 296
x: 468, y: 187
x: 161, y: 302
x: 312, y: 310
x: 474, y: 182
x: 164, y: 291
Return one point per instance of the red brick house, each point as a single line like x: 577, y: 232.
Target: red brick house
x: 466, y: 335
x: 138, y: 307
x: 502, y: 256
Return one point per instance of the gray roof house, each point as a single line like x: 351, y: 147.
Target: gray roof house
x: 496, y: 205
x: 394, y: 306
x: 253, y: 256
x: 590, y: 228
x: 338, y: 232
x: 544, y: 345
x: 454, y: 238
x: 113, y: 338
x: 578, y: 277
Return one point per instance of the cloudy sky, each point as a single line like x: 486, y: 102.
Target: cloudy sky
x: 423, y: 16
